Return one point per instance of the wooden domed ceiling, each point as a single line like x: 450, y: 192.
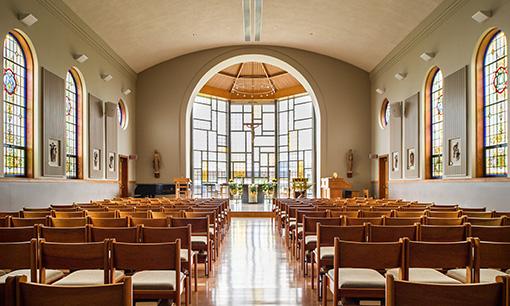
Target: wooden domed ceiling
x: 254, y: 81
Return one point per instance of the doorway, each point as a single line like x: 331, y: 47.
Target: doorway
x: 123, y: 176
x: 383, y: 177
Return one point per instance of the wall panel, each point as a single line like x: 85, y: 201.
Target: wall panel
x: 395, y: 156
x: 111, y: 125
x: 411, y: 158
x: 96, y: 138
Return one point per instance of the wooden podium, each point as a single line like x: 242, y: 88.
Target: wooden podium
x: 183, y: 188
x: 332, y: 188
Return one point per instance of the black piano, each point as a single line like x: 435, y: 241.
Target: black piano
x: 153, y: 190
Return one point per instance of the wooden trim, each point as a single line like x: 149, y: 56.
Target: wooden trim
x: 455, y: 180
x: 79, y: 102
x: 480, y: 56
x: 221, y: 93
x: 52, y: 180
x: 29, y: 164
x: 428, y: 121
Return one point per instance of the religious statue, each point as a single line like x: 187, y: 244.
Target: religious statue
x: 156, y: 163
x: 350, y: 162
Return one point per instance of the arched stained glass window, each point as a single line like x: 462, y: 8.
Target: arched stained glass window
x: 122, y: 114
x: 71, y: 126
x: 385, y: 113
x: 436, y: 124
x: 495, y: 80
x: 15, y: 107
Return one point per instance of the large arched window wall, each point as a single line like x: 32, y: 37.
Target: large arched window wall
x: 17, y: 106
x: 492, y: 105
x: 434, y: 123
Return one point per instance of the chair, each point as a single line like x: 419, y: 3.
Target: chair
x: 376, y: 214
x: 64, y: 234
x: 88, y: 261
x: 18, y: 234
x: 149, y: 222
x: 5, y: 221
x: 170, y: 234
x: 361, y: 221
x: 443, y: 221
x: 486, y: 221
x: 158, y: 275
x: 120, y: 234
x: 424, y: 258
x: 341, y: 213
x: 478, y: 214
x: 444, y: 214
x: 32, y: 294
x: 355, y: 270
x: 385, y: 233
x: 404, y: 293
x: 35, y: 214
x: 402, y: 221
x: 22, y: 222
x: 442, y: 233
x: 166, y: 214
x: 493, y: 258
x: 323, y: 253
x: 491, y: 233
x: 410, y: 213
x: 473, y: 209
x: 200, y: 238
x: 63, y: 207
x: 109, y: 222
x: 101, y: 214
x: 67, y: 214
x: 68, y: 222
x: 141, y: 214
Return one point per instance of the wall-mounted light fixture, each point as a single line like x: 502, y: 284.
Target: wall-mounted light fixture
x: 481, y: 16
x: 400, y: 76
x: 106, y: 77
x: 427, y: 56
x: 27, y: 19
x: 81, y: 58
x: 380, y: 91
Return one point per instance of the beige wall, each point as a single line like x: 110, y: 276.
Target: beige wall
x: 163, y: 93
x: 453, y: 36
x: 55, y: 38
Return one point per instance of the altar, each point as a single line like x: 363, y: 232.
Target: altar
x: 245, y: 197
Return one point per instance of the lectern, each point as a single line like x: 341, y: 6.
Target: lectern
x: 332, y: 188
x: 182, y: 187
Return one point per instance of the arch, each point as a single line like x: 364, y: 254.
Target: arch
x: 19, y: 60
x: 492, y: 136
x: 74, y: 124
x: 384, y: 114
x: 122, y: 114
x: 255, y: 55
x: 434, y: 124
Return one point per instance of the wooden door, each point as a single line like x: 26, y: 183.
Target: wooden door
x: 383, y: 177
x: 123, y: 176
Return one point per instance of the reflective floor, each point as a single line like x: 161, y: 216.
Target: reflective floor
x: 254, y: 269
x: 236, y: 205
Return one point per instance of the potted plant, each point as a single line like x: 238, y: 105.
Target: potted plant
x: 252, y: 193
x: 233, y: 188
x: 269, y: 188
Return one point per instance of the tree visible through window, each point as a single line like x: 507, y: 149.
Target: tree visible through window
x: 15, y: 107
x: 495, y: 77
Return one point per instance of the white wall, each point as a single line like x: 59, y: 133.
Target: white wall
x: 163, y: 93
x: 56, y: 37
x: 454, y: 37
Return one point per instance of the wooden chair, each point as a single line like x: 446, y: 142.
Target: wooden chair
x: 355, y: 271
x: 297, y: 236
x: 64, y: 234
x: 491, y: 233
x: 88, y: 261
x: 385, y: 233
x: 200, y: 238
x: 22, y: 222
x: 404, y: 293
x: 444, y: 207
x: 101, y: 214
x: 376, y: 214
x: 141, y: 214
x: 67, y: 214
x: 478, y: 214
x: 18, y: 234
x: 5, y: 221
x: 37, y: 209
x: 63, y: 207
x: 149, y: 222
x: 109, y: 222
x: 67, y: 222
x: 214, y: 227
x: 400, y: 221
x: 342, y: 213
x: 444, y: 214
x: 492, y: 260
x: 166, y: 214
x: 120, y: 234
x: 324, y: 252
x: 158, y: 275
x: 361, y: 221
x: 424, y: 258
x: 501, y: 214
x: 32, y: 294
x: 441, y: 233
x: 474, y: 209
x: 170, y: 234
x: 35, y: 214
x: 410, y: 214
x: 443, y: 221
x: 15, y: 214
x: 486, y: 221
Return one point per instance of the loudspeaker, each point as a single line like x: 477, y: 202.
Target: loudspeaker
x: 396, y: 109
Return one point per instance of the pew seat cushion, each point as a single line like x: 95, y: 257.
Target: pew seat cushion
x: 486, y: 275
x: 87, y: 277
x: 358, y: 278
x: 156, y: 280
x: 425, y: 275
x: 51, y: 275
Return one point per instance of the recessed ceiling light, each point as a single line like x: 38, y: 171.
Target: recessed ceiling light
x: 481, y: 16
x: 27, y: 19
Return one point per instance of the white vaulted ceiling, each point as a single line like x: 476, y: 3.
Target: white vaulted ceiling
x: 147, y: 32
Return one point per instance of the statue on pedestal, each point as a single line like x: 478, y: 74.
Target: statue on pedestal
x: 156, y: 163
x: 350, y: 163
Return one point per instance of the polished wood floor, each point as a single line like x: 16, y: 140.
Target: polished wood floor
x: 253, y: 269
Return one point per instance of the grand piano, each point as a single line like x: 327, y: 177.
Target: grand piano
x: 153, y: 190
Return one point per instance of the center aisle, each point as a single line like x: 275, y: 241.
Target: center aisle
x: 254, y: 269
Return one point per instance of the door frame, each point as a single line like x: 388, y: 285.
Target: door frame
x: 383, y: 176
x: 121, y: 174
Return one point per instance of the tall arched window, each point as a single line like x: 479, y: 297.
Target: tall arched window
x: 384, y: 116
x: 17, y: 95
x: 434, y: 123
x: 72, y: 127
x: 492, y: 109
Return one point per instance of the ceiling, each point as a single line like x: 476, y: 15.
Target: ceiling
x: 145, y: 33
x: 252, y: 80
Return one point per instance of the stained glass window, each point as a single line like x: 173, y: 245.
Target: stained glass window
x: 122, y: 114
x: 436, y: 113
x: 495, y: 106
x: 71, y: 127
x: 385, y: 113
x: 15, y: 107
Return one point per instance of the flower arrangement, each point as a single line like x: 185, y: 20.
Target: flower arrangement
x: 234, y: 188
x: 269, y: 187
